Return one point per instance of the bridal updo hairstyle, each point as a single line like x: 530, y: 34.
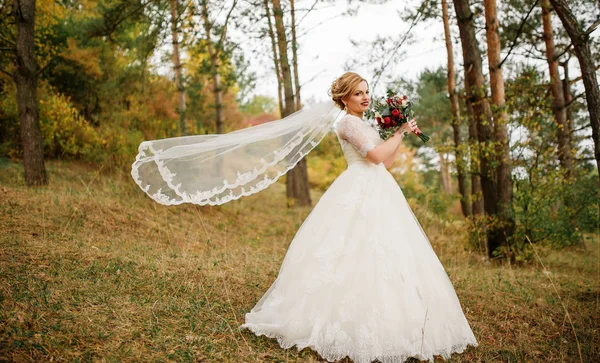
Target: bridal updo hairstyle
x: 343, y: 87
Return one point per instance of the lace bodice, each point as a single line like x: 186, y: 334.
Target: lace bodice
x: 356, y: 137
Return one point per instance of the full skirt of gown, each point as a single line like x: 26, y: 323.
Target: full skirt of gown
x: 360, y: 279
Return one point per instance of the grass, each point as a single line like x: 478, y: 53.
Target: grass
x: 91, y: 269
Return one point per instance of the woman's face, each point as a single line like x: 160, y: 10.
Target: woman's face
x: 358, y: 102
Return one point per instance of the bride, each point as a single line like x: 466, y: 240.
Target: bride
x: 360, y: 278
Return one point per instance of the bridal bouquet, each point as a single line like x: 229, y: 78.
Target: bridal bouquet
x: 390, y: 113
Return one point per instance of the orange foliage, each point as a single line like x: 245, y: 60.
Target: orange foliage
x: 87, y: 58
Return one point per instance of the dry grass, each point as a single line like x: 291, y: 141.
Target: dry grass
x: 93, y: 270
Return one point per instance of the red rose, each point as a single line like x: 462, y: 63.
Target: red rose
x: 389, y: 101
x: 394, y: 123
x: 378, y: 120
x: 400, y: 116
x: 404, y: 97
x: 386, y: 120
x: 395, y: 112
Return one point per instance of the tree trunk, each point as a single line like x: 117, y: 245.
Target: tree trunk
x: 581, y: 44
x: 25, y: 77
x: 502, y: 149
x: 566, y: 86
x: 458, y: 143
x: 217, y: 90
x: 476, y: 193
x: 275, y: 57
x: 214, y: 65
x: 297, y: 188
x: 558, y: 97
x: 295, y: 56
x: 178, y: 79
x: 444, y: 173
x: 283, y: 60
x: 482, y: 112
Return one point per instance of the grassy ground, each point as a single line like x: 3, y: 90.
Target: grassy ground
x: 91, y: 269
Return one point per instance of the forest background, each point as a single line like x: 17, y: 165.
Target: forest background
x: 508, y: 187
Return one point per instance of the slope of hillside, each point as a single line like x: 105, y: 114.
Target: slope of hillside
x: 93, y: 269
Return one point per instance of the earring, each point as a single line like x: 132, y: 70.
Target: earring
x: 345, y: 107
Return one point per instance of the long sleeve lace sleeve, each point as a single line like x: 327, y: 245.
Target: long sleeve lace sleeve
x: 350, y: 129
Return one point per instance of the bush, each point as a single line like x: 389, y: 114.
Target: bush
x: 556, y: 210
x: 65, y: 132
x: 549, y: 210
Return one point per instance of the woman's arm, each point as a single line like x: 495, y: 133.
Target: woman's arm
x: 407, y: 127
x: 383, y: 152
x: 351, y: 129
x: 390, y: 160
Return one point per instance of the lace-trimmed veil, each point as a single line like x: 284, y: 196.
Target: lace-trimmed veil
x: 215, y: 169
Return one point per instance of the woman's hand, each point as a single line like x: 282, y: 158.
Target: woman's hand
x: 409, y: 126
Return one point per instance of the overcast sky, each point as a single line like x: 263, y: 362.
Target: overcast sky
x: 325, y: 48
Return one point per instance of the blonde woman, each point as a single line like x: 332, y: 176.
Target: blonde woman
x: 360, y: 278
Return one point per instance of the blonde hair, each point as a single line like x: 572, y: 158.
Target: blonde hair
x: 344, y: 86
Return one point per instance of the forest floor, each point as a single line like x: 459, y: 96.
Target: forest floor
x: 91, y: 269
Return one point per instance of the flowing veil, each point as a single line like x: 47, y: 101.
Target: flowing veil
x: 215, y: 169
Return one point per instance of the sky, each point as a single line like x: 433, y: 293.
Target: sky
x: 325, y: 48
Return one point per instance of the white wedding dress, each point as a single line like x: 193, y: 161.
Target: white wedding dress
x: 360, y: 278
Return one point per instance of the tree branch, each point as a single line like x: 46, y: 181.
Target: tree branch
x: 397, y: 47
x: 222, y: 38
x: 307, y: 12
x: 6, y: 72
x: 575, y: 98
x: 307, y: 31
x: 567, y: 48
x: 589, y: 31
x: 519, y: 31
x: 581, y: 128
x: 10, y: 42
x: 593, y: 27
x: 107, y: 31
x: 575, y: 80
x: 42, y: 69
